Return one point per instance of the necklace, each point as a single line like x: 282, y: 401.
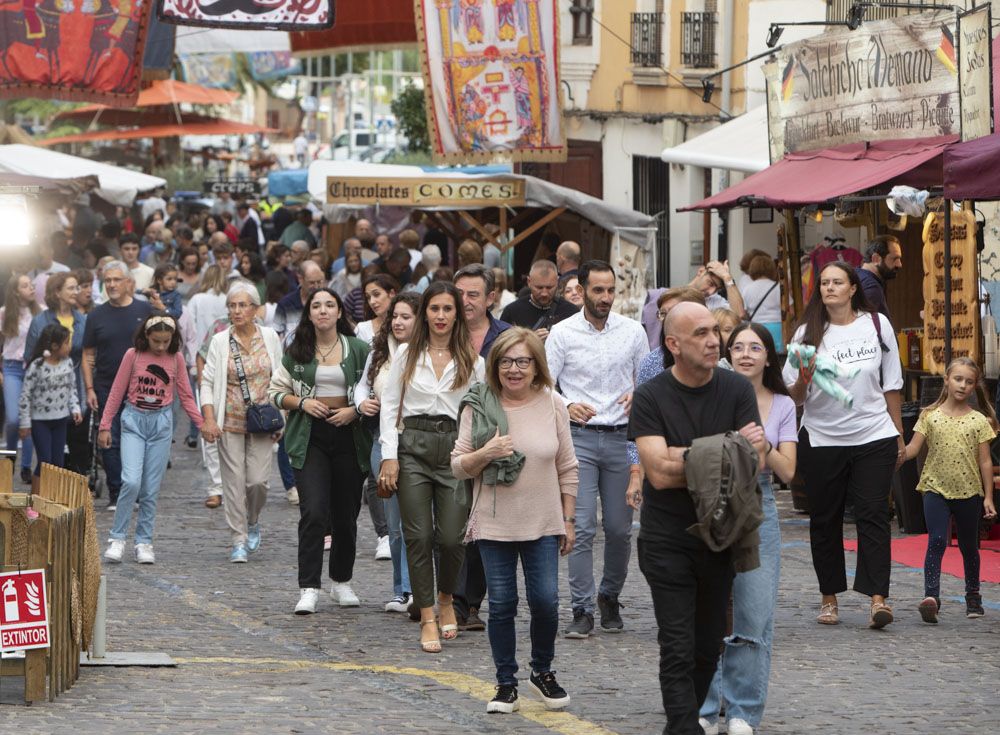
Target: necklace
x: 324, y: 355
x: 441, y: 350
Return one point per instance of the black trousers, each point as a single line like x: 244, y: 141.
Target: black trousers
x: 471, y: 587
x: 329, y: 486
x: 690, y: 586
x: 80, y: 450
x: 862, y: 473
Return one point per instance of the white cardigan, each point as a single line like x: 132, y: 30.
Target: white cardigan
x: 217, y: 367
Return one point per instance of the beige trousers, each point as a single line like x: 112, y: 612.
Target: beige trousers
x: 245, y: 461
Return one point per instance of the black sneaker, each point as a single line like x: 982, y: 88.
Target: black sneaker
x: 191, y: 443
x: 504, y: 701
x: 582, y: 625
x: 413, y: 611
x: 974, y: 605
x: 611, y: 619
x: 546, y: 687
x: 26, y: 475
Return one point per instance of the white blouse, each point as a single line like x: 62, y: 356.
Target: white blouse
x: 425, y: 395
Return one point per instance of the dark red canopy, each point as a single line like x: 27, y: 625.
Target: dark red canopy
x: 815, y: 177
x: 387, y: 23
x: 972, y: 169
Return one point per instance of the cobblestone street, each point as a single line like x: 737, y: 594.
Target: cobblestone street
x: 245, y: 664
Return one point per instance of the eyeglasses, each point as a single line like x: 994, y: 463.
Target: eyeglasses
x: 662, y: 314
x: 754, y: 348
x: 522, y: 362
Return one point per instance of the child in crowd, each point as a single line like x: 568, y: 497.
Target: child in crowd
x: 165, y: 283
x: 49, y: 396
x: 957, y: 480
x: 151, y: 371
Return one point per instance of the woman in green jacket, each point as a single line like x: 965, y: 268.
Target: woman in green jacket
x: 327, y: 445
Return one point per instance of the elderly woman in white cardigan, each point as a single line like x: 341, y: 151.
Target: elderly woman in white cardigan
x: 245, y: 458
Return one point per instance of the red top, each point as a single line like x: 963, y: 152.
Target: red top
x: 149, y: 382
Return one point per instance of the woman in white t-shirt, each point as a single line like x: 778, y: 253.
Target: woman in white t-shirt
x: 852, y: 450
x: 762, y: 295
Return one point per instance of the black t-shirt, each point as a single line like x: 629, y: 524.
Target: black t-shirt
x: 665, y: 407
x: 523, y: 313
x: 111, y: 331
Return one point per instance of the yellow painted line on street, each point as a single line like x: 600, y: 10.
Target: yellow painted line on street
x: 561, y: 722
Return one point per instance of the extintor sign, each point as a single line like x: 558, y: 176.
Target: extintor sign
x: 24, y: 610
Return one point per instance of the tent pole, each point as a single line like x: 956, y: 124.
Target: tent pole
x: 794, y: 249
x: 947, y: 282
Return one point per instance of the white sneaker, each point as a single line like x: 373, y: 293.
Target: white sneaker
x: 382, y: 550
x: 736, y: 726
x: 116, y: 550
x: 343, y: 595
x: 709, y: 728
x: 292, y: 496
x: 308, y: 597
x: 144, y: 554
x: 398, y: 604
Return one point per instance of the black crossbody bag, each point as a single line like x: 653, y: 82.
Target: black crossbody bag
x: 262, y: 418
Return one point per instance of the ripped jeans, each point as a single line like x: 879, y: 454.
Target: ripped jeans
x: 745, y: 665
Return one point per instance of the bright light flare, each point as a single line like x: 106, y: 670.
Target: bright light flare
x: 15, y: 222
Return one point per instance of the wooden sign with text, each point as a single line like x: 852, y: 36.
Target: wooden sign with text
x: 965, y: 322
x: 428, y: 192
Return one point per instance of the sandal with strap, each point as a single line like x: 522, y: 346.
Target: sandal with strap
x: 829, y: 614
x: 881, y: 616
x: 449, y: 631
x: 433, y: 646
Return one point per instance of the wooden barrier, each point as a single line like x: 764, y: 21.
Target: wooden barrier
x: 63, y: 541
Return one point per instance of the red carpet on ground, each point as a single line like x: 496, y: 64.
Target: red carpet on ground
x: 910, y: 551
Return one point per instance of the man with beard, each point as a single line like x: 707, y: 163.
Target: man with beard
x: 883, y: 259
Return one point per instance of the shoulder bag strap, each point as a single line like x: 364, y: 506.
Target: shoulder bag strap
x: 235, y: 349
x: 877, y: 320
x: 761, y: 302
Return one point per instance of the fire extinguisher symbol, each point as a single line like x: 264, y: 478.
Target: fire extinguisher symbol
x: 10, y: 611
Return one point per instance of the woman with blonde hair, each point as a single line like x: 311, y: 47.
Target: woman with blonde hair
x: 514, y: 442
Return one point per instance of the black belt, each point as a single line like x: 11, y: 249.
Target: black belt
x: 437, y: 424
x: 600, y: 428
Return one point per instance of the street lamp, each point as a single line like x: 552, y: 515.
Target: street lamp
x: 708, y: 86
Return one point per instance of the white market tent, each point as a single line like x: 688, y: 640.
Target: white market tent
x: 629, y: 224
x: 118, y: 186
x: 739, y: 144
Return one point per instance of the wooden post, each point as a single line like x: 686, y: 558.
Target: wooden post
x: 792, y: 235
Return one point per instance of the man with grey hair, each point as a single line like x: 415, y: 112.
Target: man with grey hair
x: 351, y: 245
x: 107, y: 336
x: 540, y: 310
x: 430, y: 258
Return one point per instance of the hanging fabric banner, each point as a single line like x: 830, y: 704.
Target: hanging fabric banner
x: 158, y: 61
x: 209, y: 70
x: 85, y: 51
x: 275, y: 15
x: 491, y: 71
x: 267, y: 65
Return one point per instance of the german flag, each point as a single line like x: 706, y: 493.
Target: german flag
x: 946, y: 51
x: 788, y: 80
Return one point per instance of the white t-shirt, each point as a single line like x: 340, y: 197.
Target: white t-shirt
x: 829, y: 422
x: 756, y: 292
x: 365, y: 331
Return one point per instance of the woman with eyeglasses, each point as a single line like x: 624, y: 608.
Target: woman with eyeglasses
x: 514, y: 443
x: 742, y: 673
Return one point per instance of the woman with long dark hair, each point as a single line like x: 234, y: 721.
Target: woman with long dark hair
x: 328, y: 448
x: 378, y: 291
x: 743, y: 670
x: 427, y: 380
x: 19, y: 308
x: 849, y: 450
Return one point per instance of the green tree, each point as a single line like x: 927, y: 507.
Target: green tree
x: 410, y: 110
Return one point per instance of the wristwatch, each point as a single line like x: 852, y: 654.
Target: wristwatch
x: 569, y: 519
x: 730, y: 282
x: 301, y: 401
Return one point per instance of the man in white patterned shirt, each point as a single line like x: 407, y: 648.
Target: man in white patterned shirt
x: 594, y: 357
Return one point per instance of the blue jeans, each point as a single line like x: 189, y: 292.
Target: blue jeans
x: 745, y: 664
x: 145, y: 449
x: 400, y: 571
x: 540, y: 561
x: 49, y: 436
x: 192, y: 428
x: 111, y: 458
x: 285, y: 466
x: 13, y: 378
x: 604, y: 471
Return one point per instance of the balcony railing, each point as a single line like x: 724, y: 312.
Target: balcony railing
x: 582, y: 12
x: 647, y: 32
x: 698, y: 40
x: 837, y: 10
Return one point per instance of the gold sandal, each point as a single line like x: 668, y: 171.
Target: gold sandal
x: 449, y: 631
x: 829, y: 614
x: 881, y: 616
x: 432, y: 646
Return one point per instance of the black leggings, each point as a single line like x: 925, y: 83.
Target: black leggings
x: 938, y: 512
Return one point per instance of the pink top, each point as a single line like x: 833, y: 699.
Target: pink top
x: 149, y: 382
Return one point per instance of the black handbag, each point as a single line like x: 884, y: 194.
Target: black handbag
x: 262, y: 418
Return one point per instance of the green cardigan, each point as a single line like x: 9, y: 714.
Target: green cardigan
x: 291, y: 378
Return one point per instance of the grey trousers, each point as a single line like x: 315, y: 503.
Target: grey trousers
x: 245, y: 462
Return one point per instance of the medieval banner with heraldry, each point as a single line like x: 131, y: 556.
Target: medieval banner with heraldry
x: 86, y: 50
x: 280, y: 15
x: 491, y: 71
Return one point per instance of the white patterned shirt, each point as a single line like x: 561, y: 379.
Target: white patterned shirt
x: 597, y: 367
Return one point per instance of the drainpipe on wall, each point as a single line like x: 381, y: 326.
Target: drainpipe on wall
x: 725, y: 59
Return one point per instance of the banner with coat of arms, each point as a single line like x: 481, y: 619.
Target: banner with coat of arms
x: 491, y: 71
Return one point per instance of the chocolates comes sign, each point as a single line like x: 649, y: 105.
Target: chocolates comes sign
x: 965, y: 322
x: 427, y: 192
x: 891, y: 79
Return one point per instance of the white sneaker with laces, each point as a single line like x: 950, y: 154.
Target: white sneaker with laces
x: 709, y: 728
x: 736, y: 726
x: 116, y: 550
x: 144, y: 554
x: 308, y: 597
x: 398, y: 604
x: 292, y: 496
x: 343, y: 595
x: 382, y: 551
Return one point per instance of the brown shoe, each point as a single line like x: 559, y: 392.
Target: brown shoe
x: 213, y: 501
x: 472, y: 621
x: 881, y: 616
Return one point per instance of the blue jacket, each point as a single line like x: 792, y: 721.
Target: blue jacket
x: 47, y: 317
x: 496, y: 328
x: 173, y: 301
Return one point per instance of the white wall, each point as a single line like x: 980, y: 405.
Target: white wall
x: 762, y: 14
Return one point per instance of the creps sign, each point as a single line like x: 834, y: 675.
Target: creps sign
x: 24, y: 610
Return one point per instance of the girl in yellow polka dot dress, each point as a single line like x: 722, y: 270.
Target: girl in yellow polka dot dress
x: 957, y: 480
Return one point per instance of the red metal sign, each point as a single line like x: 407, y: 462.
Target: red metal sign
x: 24, y: 610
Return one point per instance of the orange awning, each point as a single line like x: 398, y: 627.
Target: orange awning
x: 216, y: 127
x: 164, y: 92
